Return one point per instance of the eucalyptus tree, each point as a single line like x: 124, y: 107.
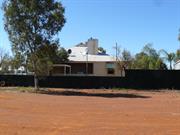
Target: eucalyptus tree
x: 33, y: 25
x: 2, y: 55
x: 149, y: 58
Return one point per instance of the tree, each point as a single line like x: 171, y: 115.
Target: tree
x: 177, y: 55
x: 62, y: 56
x: 101, y: 50
x: 2, y: 56
x: 6, y: 65
x: 169, y: 57
x: 161, y: 65
x: 33, y: 25
x: 18, y: 60
x: 178, y: 51
x: 141, y: 61
x: 126, y: 59
x: 5, y: 62
x: 150, y: 51
x: 148, y: 58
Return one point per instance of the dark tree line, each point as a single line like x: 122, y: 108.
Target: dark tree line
x: 148, y: 58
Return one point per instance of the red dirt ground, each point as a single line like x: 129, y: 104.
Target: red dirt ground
x: 87, y: 112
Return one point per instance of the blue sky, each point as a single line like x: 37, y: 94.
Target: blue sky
x: 130, y: 23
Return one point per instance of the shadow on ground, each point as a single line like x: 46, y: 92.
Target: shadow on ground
x: 105, y: 95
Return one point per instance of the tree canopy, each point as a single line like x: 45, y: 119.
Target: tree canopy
x: 148, y: 58
x: 32, y: 26
x: 5, y: 61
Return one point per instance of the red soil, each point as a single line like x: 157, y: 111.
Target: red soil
x: 89, y: 113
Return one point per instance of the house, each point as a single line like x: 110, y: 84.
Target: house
x: 85, y: 59
x: 177, y: 65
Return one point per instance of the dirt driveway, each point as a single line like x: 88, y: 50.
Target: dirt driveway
x: 90, y: 112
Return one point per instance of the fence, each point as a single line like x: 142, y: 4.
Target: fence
x: 135, y: 79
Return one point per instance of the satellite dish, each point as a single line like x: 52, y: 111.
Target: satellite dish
x: 69, y: 51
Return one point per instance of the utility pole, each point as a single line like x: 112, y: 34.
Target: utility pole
x: 87, y: 62
x: 116, y: 49
x: 179, y: 36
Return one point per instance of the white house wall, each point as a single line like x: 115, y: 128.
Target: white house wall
x: 177, y: 66
x: 99, y: 69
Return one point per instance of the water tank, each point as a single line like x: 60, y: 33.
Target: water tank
x: 92, y: 45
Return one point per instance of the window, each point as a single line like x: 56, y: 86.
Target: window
x: 110, y: 65
x: 110, y: 71
x: 110, y: 68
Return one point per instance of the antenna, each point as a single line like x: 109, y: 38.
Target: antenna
x: 116, y: 49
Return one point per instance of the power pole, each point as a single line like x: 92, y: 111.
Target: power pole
x: 179, y: 36
x: 116, y: 51
x: 87, y: 62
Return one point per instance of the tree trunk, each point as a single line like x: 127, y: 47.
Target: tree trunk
x: 170, y: 65
x: 36, y: 82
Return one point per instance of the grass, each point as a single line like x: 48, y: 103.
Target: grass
x: 18, y: 89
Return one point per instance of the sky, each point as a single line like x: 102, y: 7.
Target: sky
x: 130, y: 23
